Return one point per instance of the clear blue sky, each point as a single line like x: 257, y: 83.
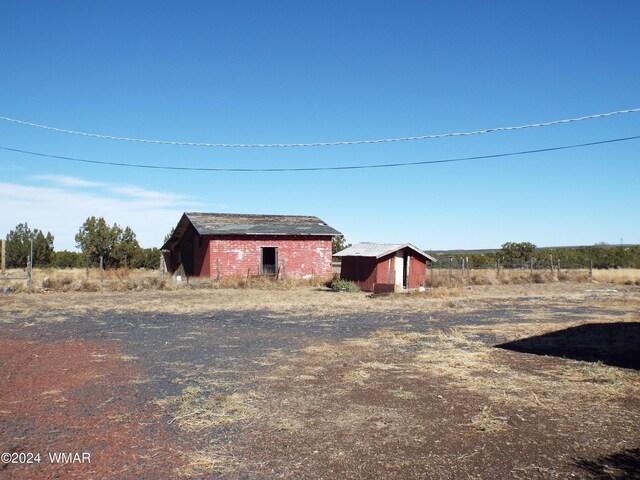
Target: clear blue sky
x: 274, y: 72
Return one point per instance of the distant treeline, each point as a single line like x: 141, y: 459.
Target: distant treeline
x: 96, y: 239
x: 525, y: 255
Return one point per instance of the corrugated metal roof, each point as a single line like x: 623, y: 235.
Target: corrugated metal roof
x: 244, y: 224
x: 378, y: 250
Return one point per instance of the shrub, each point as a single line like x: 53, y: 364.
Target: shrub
x: 340, y: 285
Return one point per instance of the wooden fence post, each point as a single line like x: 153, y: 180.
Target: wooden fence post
x: 101, y: 268
x: 590, y: 270
x: 4, y: 255
x: 450, y: 271
x: 217, y: 270
x: 29, y: 273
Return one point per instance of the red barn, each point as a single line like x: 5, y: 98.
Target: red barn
x: 233, y: 245
x: 384, y: 267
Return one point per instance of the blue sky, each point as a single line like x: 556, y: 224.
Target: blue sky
x: 294, y: 72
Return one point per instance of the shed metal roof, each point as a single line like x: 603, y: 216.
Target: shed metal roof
x: 378, y: 250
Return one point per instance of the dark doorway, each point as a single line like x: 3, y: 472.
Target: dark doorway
x: 268, y: 260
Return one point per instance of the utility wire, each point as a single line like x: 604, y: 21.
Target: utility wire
x: 320, y: 144
x: 319, y: 169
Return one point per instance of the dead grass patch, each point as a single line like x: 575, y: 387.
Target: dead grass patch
x: 196, y: 409
x: 485, y: 421
x: 210, y: 460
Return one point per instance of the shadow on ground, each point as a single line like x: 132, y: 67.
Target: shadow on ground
x: 624, y: 465
x: 616, y: 344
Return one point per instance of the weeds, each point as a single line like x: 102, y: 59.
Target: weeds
x: 340, y: 285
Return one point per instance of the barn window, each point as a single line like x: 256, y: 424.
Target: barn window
x: 268, y: 260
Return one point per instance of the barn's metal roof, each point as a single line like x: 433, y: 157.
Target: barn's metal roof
x: 378, y: 250
x: 247, y: 224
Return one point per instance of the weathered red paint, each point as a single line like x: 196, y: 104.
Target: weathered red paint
x: 239, y: 255
x: 368, y: 271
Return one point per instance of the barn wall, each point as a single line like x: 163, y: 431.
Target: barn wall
x: 239, y: 255
x: 202, y: 264
x: 361, y: 270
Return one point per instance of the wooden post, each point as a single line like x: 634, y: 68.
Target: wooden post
x: 125, y: 262
x: 284, y: 269
x: 31, y: 268
x: 498, y: 268
x: 468, y: 272
x: 4, y: 255
x: 450, y: 271
x: 531, y: 265
x: 553, y: 277
x: 558, y: 270
x: 590, y: 270
x: 29, y: 273
x: 462, y: 271
x: 217, y: 269
x: 101, y: 268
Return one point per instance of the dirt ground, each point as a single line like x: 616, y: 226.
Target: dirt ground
x: 496, y: 382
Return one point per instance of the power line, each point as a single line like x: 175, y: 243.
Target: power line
x: 319, y: 169
x: 320, y: 144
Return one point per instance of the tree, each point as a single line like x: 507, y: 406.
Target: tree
x: 338, y: 244
x: 66, y: 259
x: 148, y: 258
x: 127, y: 247
x: 168, y: 235
x: 515, y: 253
x: 18, y: 247
x: 97, y: 239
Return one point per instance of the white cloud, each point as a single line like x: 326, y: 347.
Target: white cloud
x: 66, y: 181
x: 62, y: 207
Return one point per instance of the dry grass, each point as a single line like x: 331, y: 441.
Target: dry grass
x: 622, y: 276
x: 477, y: 367
x: 195, y: 409
x: 204, y: 462
x: 485, y: 421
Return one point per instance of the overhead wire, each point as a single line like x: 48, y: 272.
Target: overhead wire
x: 317, y: 169
x: 320, y: 144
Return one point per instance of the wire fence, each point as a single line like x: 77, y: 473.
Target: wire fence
x: 458, y: 271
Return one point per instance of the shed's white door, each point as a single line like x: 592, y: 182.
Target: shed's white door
x: 399, y: 269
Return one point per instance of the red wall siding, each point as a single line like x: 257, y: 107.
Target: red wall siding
x: 239, y: 255
x: 361, y: 270
x: 417, y: 272
x: 383, y: 270
x: 367, y: 271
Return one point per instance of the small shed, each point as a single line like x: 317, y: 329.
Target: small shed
x: 221, y: 245
x: 384, y: 267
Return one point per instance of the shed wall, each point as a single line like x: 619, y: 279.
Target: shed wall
x: 361, y: 270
